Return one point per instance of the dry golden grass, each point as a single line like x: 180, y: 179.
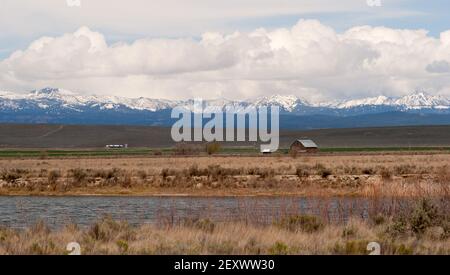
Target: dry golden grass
x: 111, y: 237
x: 315, y: 175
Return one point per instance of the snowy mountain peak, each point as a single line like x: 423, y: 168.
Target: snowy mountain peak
x: 286, y: 102
x: 374, y: 101
x: 420, y: 99
x: 51, y: 93
x: 47, y: 90
x: 416, y: 100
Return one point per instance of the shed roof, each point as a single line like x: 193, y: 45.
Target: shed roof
x: 307, y: 143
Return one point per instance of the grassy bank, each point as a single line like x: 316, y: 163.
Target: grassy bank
x: 424, y: 229
x: 361, y: 175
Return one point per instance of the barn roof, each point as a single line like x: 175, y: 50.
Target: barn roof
x: 307, y: 143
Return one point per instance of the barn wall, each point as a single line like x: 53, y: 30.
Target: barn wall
x: 298, y: 147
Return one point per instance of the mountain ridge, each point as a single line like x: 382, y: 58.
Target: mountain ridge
x: 58, y: 106
x: 46, y: 97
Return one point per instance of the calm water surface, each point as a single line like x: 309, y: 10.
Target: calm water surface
x: 21, y: 212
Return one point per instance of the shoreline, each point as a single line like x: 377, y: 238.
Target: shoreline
x: 167, y: 194
x: 223, y: 194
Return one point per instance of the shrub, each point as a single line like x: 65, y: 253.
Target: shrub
x: 43, y: 154
x: 40, y: 227
x: 53, y: 176
x: 404, y: 169
x: 212, y: 148
x: 303, y: 223
x: 302, y: 171
x: 221, y: 247
x: 368, y: 171
x: 266, y: 173
x: 10, y: 176
x: 357, y: 247
x: 351, y: 170
x: 323, y: 171
x: 443, y: 174
x: 107, y: 229
x: 279, y: 248
x: 186, y: 149
x: 123, y: 246
x: 446, y: 227
x: 164, y: 173
x: 205, y: 225
x: 403, y: 250
x: 397, y: 228
x: 193, y: 171
x: 111, y: 174
x: 378, y: 219
x: 386, y: 174
x: 126, y: 181
x: 142, y: 174
x: 78, y: 174
x: 425, y: 215
x: 349, y: 232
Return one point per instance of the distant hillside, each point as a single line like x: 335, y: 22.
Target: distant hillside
x: 85, y: 136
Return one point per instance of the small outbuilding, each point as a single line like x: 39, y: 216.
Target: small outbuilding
x: 116, y: 146
x: 304, y: 146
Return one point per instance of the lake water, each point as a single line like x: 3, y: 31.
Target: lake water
x: 21, y: 212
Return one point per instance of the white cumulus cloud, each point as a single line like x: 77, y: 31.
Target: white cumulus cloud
x: 309, y: 60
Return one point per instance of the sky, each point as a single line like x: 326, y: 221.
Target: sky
x: 236, y: 49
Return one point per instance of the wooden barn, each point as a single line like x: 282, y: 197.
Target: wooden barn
x: 304, y: 146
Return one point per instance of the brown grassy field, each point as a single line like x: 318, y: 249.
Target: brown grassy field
x: 310, y: 175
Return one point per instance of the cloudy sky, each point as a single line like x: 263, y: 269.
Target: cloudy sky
x: 236, y: 49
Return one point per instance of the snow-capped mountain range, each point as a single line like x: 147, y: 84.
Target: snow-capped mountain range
x: 53, y: 105
x: 417, y: 100
x: 53, y: 97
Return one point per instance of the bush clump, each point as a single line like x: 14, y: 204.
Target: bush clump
x: 279, y: 248
x: 368, y: 171
x: 303, y: 223
x: 11, y: 176
x: 352, y: 247
x: 386, y: 174
x: 205, y: 225
x: 425, y: 215
x: 107, y: 229
x: 302, y: 171
x: 78, y: 175
x: 212, y: 148
x: 53, y: 176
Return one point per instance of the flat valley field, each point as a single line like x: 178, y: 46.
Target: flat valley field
x: 403, y: 174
